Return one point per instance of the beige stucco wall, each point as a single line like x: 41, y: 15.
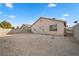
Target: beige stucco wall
x: 42, y: 26
x: 76, y: 32
x: 4, y: 31
x: 13, y: 31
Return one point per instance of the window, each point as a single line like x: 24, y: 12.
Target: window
x: 52, y: 27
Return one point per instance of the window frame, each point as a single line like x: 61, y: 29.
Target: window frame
x: 52, y: 27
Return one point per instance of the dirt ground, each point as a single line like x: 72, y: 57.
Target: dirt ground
x: 37, y: 45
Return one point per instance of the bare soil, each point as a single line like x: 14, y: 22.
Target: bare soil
x: 37, y: 45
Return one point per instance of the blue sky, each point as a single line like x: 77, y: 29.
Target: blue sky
x: 28, y: 13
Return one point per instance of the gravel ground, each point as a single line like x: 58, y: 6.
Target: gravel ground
x: 37, y: 45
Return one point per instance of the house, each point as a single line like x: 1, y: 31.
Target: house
x: 21, y: 29
x: 25, y: 28
x: 49, y: 26
x: 76, y: 32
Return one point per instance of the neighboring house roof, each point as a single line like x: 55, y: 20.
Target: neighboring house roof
x: 26, y: 25
x: 50, y: 19
x: 17, y: 27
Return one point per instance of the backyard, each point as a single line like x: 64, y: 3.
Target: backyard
x: 37, y: 45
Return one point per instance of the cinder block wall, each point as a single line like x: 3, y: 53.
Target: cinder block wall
x: 76, y: 32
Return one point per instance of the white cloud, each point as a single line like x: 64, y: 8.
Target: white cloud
x: 1, y: 12
x: 9, y: 5
x: 52, y: 5
x: 66, y: 15
x: 12, y: 16
x: 63, y: 18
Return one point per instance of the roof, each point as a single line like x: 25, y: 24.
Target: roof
x: 55, y: 19
x: 27, y: 25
